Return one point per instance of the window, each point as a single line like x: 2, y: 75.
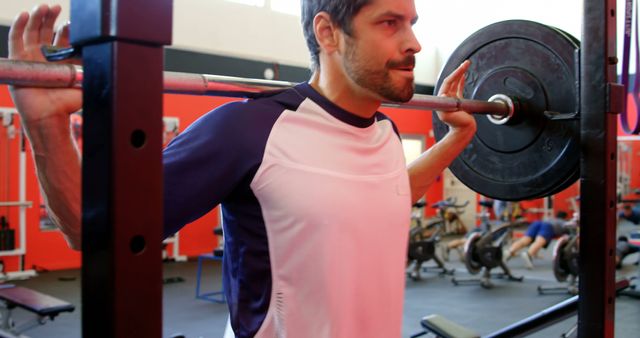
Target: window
x: 286, y: 6
x: 413, y: 146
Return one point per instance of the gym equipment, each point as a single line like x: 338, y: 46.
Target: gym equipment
x: 42, y: 74
x: 219, y: 233
x: 626, y: 246
x: 43, y: 307
x: 450, y: 212
x: 631, y: 15
x: 483, y: 251
x: 7, y: 235
x: 537, y: 64
x: 424, y: 237
x: 566, y: 264
x: 445, y: 328
x: 214, y: 296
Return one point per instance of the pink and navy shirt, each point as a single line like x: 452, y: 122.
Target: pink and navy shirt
x: 316, y: 208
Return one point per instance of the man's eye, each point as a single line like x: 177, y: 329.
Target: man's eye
x: 390, y: 23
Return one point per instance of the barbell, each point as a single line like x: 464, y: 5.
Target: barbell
x: 59, y: 75
x: 523, y: 77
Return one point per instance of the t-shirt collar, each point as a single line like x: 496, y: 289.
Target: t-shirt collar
x: 335, y: 111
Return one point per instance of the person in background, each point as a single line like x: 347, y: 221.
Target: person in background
x: 538, y: 236
x: 629, y: 213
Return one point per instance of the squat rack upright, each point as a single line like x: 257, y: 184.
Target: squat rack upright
x: 122, y: 48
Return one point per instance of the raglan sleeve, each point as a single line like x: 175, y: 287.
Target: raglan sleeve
x: 203, y: 165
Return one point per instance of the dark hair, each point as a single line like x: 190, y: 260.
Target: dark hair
x: 562, y: 214
x: 341, y: 13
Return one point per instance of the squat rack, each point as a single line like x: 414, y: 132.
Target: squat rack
x: 596, y: 309
x: 122, y: 48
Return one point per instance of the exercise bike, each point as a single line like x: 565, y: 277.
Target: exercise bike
x: 424, y: 237
x: 483, y: 251
x: 631, y: 244
x: 566, y: 262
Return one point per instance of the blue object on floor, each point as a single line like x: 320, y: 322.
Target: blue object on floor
x: 215, y: 296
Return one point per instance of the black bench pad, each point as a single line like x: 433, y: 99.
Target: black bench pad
x: 443, y: 327
x: 34, y: 301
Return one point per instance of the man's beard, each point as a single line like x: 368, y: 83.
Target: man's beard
x: 378, y: 80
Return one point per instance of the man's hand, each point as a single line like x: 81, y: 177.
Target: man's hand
x: 453, y: 86
x: 426, y: 168
x: 29, y: 31
x: 44, y: 114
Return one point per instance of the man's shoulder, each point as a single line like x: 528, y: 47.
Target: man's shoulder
x: 383, y: 117
x: 264, y: 106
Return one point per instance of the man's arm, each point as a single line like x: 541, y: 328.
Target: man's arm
x: 57, y: 162
x: 425, y: 169
x: 462, y: 126
x: 44, y: 114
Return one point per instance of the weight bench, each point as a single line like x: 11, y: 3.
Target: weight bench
x: 43, y: 306
x: 444, y: 328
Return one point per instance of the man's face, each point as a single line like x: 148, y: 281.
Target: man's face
x: 380, y: 54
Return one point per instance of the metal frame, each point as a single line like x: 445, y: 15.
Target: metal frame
x: 598, y: 170
x: 211, y: 296
x: 122, y: 50
x: 498, y: 108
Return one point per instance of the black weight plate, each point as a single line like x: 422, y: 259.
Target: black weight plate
x: 530, y: 156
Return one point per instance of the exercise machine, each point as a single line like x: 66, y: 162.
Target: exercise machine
x: 566, y: 259
x: 633, y: 243
x: 483, y: 252
x: 425, y: 236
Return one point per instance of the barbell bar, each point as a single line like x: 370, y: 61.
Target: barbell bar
x: 59, y: 75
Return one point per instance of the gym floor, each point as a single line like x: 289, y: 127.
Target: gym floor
x: 483, y: 310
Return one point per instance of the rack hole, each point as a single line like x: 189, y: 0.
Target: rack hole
x: 137, y: 244
x: 138, y: 138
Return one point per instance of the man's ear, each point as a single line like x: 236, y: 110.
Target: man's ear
x: 327, y: 33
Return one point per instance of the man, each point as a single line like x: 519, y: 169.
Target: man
x: 629, y: 213
x: 538, y: 236
x: 314, y: 191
